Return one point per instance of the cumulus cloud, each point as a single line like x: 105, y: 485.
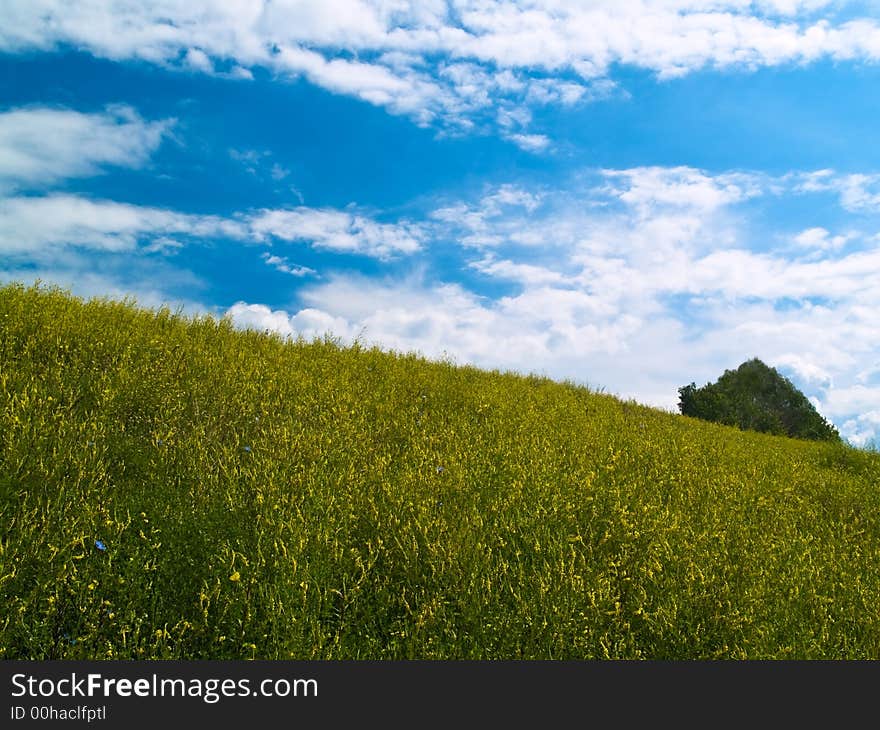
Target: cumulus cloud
x: 307, y: 323
x: 41, y: 146
x: 649, y: 189
x: 863, y: 430
x: 806, y: 370
x: 406, y: 315
x: 455, y: 63
x: 820, y: 239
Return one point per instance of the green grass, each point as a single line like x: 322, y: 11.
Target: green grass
x: 268, y: 499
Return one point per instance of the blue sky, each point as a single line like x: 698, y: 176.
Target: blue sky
x: 630, y: 195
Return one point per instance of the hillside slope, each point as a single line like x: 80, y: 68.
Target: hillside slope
x: 172, y: 487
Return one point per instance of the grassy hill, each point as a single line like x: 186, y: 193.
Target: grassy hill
x: 174, y: 488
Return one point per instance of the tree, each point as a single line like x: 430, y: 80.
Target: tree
x: 755, y: 397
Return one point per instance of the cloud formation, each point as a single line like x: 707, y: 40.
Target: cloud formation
x: 41, y: 146
x: 461, y: 64
x: 337, y: 230
x: 39, y: 226
x: 280, y: 263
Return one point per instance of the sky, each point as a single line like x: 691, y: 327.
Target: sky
x: 631, y: 195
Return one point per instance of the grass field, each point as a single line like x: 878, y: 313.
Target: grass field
x: 171, y: 487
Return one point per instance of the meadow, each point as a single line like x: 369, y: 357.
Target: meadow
x: 171, y: 487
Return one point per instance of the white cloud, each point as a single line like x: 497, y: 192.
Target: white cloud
x: 338, y: 230
x: 820, y: 239
x: 857, y: 192
x: 741, y: 274
x: 260, y: 317
x: 648, y: 189
x: 198, y: 60
x: 163, y: 244
x: 530, y: 142
x: 447, y: 318
x: 449, y: 61
x: 38, y: 226
x: 280, y: 263
x: 527, y: 274
x: 864, y: 429
x: 307, y: 323
x: 806, y: 370
x: 42, y: 146
x: 278, y: 172
x: 493, y: 219
x: 240, y: 73
x: 374, y: 83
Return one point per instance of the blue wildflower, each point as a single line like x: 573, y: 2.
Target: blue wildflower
x: 100, y: 545
x: 248, y: 449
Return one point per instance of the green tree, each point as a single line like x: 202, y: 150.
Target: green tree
x: 755, y: 397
